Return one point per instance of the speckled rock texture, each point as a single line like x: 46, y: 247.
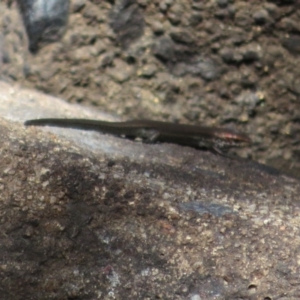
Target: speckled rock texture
x: 92, y: 216
x: 217, y: 62
x: 45, y: 21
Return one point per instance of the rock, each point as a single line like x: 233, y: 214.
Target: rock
x: 196, y: 18
x: 121, y: 71
x: 181, y: 36
x: 79, y: 209
x: 230, y: 55
x: 164, y: 49
x: 207, y: 68
x: 183, y: 60
x: 127, y: 22
x: 2, y: 52
x: 292, y: 43
x: 247, y: 54
x: 45, y: 20
x: 77, y: 5
x: 252, y: 52
x: 242, y: 18
x: 148, y: 71
x: 289, y: 25
x: 261, y: 16
x: 175, y: 14
x: 165, y: 4
x: 157, y: 27
x: 222, y: 3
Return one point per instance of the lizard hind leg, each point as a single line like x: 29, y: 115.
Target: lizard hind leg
x: 149, y: 136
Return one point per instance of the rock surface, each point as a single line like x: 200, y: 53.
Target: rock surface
x: 205, y: 56
x: 45, y: 21
x: 92, y: 216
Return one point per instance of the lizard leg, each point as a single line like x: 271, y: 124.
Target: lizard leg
x: 148, y: 135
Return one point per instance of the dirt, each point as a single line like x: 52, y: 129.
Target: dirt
x: 220, y: 63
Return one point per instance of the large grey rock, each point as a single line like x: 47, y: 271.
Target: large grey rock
x: 92, y: 216
x: 45, y: 21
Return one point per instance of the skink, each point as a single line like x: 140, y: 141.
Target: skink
x: 156, y: 131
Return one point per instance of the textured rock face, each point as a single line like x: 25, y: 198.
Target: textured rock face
x: 86, y: 216
x: 45, y: 21
x: 232, y: 63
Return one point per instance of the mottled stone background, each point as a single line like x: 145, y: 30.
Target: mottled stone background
x: 91, y: 216
x: 218, y: 62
